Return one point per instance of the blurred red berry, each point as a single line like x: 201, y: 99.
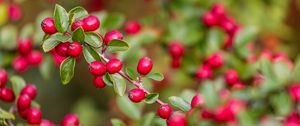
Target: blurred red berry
x: 294, y: 91
x: 34, y: 116
x: 206, y: 114
x: 35, y: 57
x: 177, y: 119
x: 15, y: 12
x: 176, y: 62
x: 114, y: 34
x: 45, y: 122
x: 197, y: 100
x: 218, y: 10
x: 209, y: 19
x: 165, y: 111
x: 136, y: 95
x: 144, y: 65
x: 20, y: 64
x: 176, y: 49
x: 231, y: 77
x: 29, y: 90
x: 204, y: 72
x: 215, y: 60
x: 23, y: 102
x: 23, y: 113
x: 7, y: 95
x: 70, y: 120
x: 132, y: 27
x: 48, y: 26
x: 3, y: 78
x: 24, y: 46
x: 77, y: 24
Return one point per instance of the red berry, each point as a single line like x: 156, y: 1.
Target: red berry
x: 164, y: 111
x: 97, y: 68
x: 114, y: 34
x: 15, y: 12
x: 132, y: 27
x: 45, y: 122
x: 293, y: 119
x: 62, y: 49
x: 218, y: 11
x: 48, y: 26
x: 204, y: 72
x: 228, y: 26
x: 206, y: 114
x: 23, y: 113
x: 231, y: 77
x: 197, y: 100
x: 114, y: 66
x: 91, y: 23
x: 215, y: 60
x: 23, y: 102
x: 209, y: 19
x: 136, y: 95
x: 35, y: 57
x: 7, y: 94
x: 70, y: 120
x: 176, y: 49
x: 77, y: 24
x: 177, y: 119
x: 20, y: 64
x: 176, y: 62
x: 24, y: 46
x: 294, y: 91
x: 144, y: 66
x: 98, y: 82
x: 34, y: 116
x: 29, y: 90
x: 74, y: 49
x: 3, y: 78
x: 228, y: 41
x: 224, y: 114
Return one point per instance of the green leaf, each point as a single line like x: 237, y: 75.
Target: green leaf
x: 131, y: 73
x: 93, y: 39
x: 90, y: 54
x: 35, y: 104
x: 6, y: 115
x: 49, y: 44
x: 296, y: 72
x: 67, y: 70
x: 128, y: 108
x: 117, y: 122
x: 148, y: 119
x: 119, y: 84
x: 209, y: 94
x: 281, y: 71
x: 77, y: 13
x: 60, y: 37
x: 46, y: 67
x: 27, y: 31
x: 113, y: 21
x: 245, y: 36
x: 117, y: 45
x: 245, y: 119
x: 17, y: 84
x: 266, y: 68
x: 8, y: 37
x: 78, y: 35
x: 282, y: 103
x: 151, y: 98
x: 155, y: 76
x: 61, y: 18
x: 179, y: 103
x: 108, y: 79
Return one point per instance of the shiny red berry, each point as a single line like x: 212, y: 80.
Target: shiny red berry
x: 132, y: 27
x: 7, y: 95
x: 23, y: 102
x: 24, y: 46
x: 215, y: 60
x: 98, y: 82
x: 45, y: 122
x: 114, y: 34
x: 15, y: 12
x: 70, y: 120
x: 91, y: 23
x: 204, y: 72
x: 77, y: 24
x: 74, y: 49
x: 23, y: 113
x: 20, y: 64
x: 176, y: 49
x: 177, y: 119
x: 34, y: 116
x: 62, y: 49
x: 114, y: 66
x: 3, y: 78
x: 231, y: 77
x: 97, y: 68
x: 164, y: 111
x: 35, y: 57
x: 197, y: 100
x: 48, y: 26
x: 29, y: 90
x: 209, y: 19
x: 144, y: 65
x: 136, y: 95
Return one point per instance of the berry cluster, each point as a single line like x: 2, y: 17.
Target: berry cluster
x: 176, y: 50
x: 205, y: 71
x: 6, y: 94
x: 27, y: 56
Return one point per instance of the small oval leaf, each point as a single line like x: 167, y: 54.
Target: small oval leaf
x: 117, y: 122
x: 17, y: 84
x: 117, y: 45
x: 179, y: 103
x: 93, y: 39
x: 61, y: 19
x: 108, y: 79
x: 151, y: 98
x: 78, y: 35
x: 90, y: 54
x: 67, y: 70
x: 77, y: 13
x: 155, y: 76
x: 119, y: 84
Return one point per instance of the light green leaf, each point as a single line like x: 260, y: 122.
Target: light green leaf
x: 282, y: 103
x: 50, y: 44
x: 46, y: 67
x: 8, y: 37
x: 93, y: 39
x: 113, y: 21
x: 155, y: 76
x: 245, y: 36
x: 245, y: 119
x: 6, y: 115
x: 67, y: 70
x: 128, y: 108
x: 180, y: 103
x: 17, y: 84
x: 117, y: 45
x: 27, y: 31
x: 151, y: 98
x: 61, y: 18
x: 209, y: 94
x: 296, y: 72
x: 119, y: 84
x: 148, y: 119
x: 131, y: 73
x: 117, y: 122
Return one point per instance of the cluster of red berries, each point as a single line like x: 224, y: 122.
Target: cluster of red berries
x: 132, y: 27
x: 6, y: 94
x: 205, y: 71
x: 217, y: 17
x: 27, y: 56
x: 176, y: 50
x: 232, y: 79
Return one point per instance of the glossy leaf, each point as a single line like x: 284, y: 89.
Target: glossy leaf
x: 131, y: 73
x: 50, y: 44
x: 180, y: 103
x: 78, y: 35
x: 61, y: 18
x: 117, y: 45
x: 108, y: 79
x: 151, y: 98
x: 155, y: 76
x: 77, y: 13
x: 67, y: 70
x: 17, y: 84
x: 119, y: 85
x: 90, y: 54
x: 128, y: 108
x: 93, y: 39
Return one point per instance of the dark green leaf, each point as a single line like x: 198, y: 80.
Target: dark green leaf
x: 90, y: 54
x: 179, y: 103
x: 6, y: 115
x: 77, y: 13
x: 60, y: 37
x: 93, y: 39
x: 117, y: 122
x: 119, y: 84
x: 61, y: 18
x: 78, y: 35
x: 131, y: 73
x: 17, y: 84
x: 67, y: 70
x: 108, y: 79
x: 128, y: 108
x: 151, y: 98
x: 117, y: 45
x: 155, y: 76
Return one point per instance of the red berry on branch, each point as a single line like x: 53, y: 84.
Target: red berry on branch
x: 176, y: 49
x: 144, y: 65
x: 7, y: 94
x: 294, y: 91
x: 114, y: 66
x: 231, y: 77
x: 209, y: 19
x: 74, y: 49
x: 48, y: 26
x: 177, y: 119
x: 98, y: 82
x: 24, y: 46
x: 164, y: 111
x: 15, y: 12
x: 204, y: 72
x: 218, y: 11
x: 45, y: 122
x: 23, y: 102
x: 132, y: 27
x: 70, y: 120
x: 97, y: 68
x: 197, y: 100
x: 20, y: 64
x: 62, y: 49
x: 114, y: 34
x: 91, y: 23
x: 3, y: 78
x: 77, y: 24
x: 136, y: 95
x: 34, y: 116
x: 35, y: 57
x: 215, y: 60
x: 29, y: 90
